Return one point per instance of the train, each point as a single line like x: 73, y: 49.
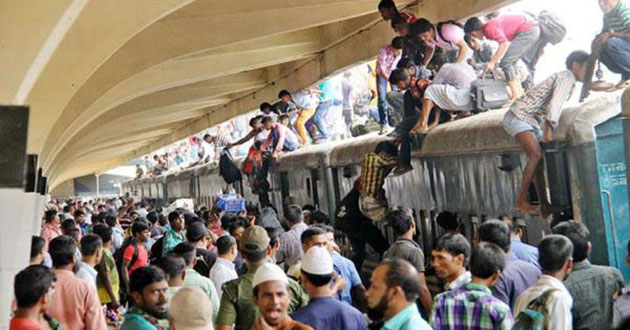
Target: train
x: 470, y: 167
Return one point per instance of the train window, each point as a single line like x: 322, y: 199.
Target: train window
x: 336, y: 188
x: 309, y: 192
x: 284, y: 185
x: 349, y: 172
x: 315, y: 192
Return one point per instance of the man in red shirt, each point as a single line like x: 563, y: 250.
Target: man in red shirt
x: 517, y: 36
x: 135, y: 254
x: 33, y: 287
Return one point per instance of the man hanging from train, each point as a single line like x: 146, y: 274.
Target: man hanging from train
x: 532, y: 118
x: 614, y: 39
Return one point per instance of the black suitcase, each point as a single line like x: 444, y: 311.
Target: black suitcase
x: 489, y: 92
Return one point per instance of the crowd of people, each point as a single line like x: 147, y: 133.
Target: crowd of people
x: 132, y: 265
x: 124, y: 264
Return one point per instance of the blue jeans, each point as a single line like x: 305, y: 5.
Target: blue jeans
x: 288, y: 145
x: 616, y: 56
x: 381, y: 90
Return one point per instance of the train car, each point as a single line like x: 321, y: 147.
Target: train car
x: 471, y: 167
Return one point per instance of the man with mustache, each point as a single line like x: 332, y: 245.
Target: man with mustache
x: 149, y: 291
x: 395, y: 286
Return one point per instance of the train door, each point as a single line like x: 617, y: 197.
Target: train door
x: 613, y: 183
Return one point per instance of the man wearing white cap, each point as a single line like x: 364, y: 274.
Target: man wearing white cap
x: 270, y: 285
x: 188, y: 310
x: 238, y: 310
x: 323, y: 311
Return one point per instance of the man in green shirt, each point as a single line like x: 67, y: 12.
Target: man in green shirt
x: 175, y: 235
x: 149, y: 289
x: 237, y: 304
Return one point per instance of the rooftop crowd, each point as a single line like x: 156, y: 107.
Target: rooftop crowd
x: 131, y: 265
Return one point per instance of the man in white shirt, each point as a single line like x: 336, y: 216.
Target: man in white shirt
x: 556, y: 264
x: 91, y: 254
x: 223, y: 269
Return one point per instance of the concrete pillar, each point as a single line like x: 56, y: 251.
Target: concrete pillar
x: 18, y: 207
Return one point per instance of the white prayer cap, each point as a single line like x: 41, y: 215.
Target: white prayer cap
x: 317, y: 261
x: 269, y: 272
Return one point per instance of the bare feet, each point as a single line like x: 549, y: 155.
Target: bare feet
x: 526, y: 208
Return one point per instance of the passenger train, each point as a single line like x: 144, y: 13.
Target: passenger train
x: 471, y: 167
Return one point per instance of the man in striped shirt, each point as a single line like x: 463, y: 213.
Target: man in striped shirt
x: 615, y: 38
x: 472, y: 306
x: 533, y: 117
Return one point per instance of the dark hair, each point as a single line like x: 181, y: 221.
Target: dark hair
x: 387, y: 147
x: 31, y: 284
x: 400, y: 221
x: 401, y: 273
x: 454, y: 244
x: 387, y: 4
x: 50, y: 215
x: 37, y: 245
x: 174, y: 215
x: 145, y: 276
x: 172, y: 264
x: 398, y: 43
x: 487, y: 259
x: 239, y: 222
x: 252, y: 253
x: 579, y: 236
x: 254, y: 121
x: 397, y: 20
x: 398, y: 75
x: 274, y: 235
x: 421, y: 25
x: 319, y: 217
x: 554, y: 251
x: 143, y: 204
x: 224, y: 244
x: 283, y: 117
x: 78, y: 213
x: 447, y: 220
x: 405, y: 63
x: 196, y: 231
x: 90, y: 244
x: 495, y: 231
x: 66, y: 209
x: 266, y: 119
x: 152, y: 217
x: 68, y: 225
x: 62, y: 249
x: 473, y: 24
x: 226, y: 220
x: 186, y: 250
x: 578, y: 56
x: 309, y: 207
x: 104, y: 232
x: 265, y: 105
x: 318, y: 280
x: 110, y: 220
x: 310, y: 233
x: 293, y: 214
x: 138, y: 227
x: 468, y: 40
x: 283, y: 93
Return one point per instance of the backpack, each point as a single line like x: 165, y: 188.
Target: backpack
x: 439, y: 26
x: 118, y: 255
x: 227, y: 169
x: 157, y: 249
x: 536, y: 315
x: 551, y: 27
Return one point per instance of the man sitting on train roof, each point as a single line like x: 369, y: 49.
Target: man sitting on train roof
x: 614, y: 39
x: 450, y: 91
x: 533, y: 117
x: 375, y: 167
x: 280, y: 138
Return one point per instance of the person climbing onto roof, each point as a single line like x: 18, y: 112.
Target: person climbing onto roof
x: 448, y: 36
x: 281, y: 138
x: 375, y: 167
x: 532, y: 118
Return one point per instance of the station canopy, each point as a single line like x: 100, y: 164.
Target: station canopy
x: 108, y: 81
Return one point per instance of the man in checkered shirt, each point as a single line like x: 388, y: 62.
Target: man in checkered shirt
x: 533, y: 117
